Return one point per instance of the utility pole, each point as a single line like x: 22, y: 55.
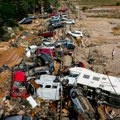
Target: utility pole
x: 78, y: 12
x: 64, y: 31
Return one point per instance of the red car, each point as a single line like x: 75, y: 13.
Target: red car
x: 53, y: 14
x: 63, y: 10
x: 47, y: 50
x: 19, y: 85
x: 47, y: 34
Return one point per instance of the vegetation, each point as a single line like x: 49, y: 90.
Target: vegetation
x: 12, y: 11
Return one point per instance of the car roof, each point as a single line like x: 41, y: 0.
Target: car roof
x: 19, y: 76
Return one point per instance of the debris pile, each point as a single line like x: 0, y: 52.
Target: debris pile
x: 42, y: 77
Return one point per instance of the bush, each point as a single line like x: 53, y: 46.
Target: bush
x: 118, y: 4
x: 11, y: 22
x: 84, y: 8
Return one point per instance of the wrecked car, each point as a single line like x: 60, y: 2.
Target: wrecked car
x: 31, y: 48
x: 18, y: 117
x: 69, y: 21
x: 75, y: 33
x: 18, y: 88
x: 53, y: 14
x: 81, y: 103
x: 55, y: 19
x: 63, y: 10
x: 47, y: 34
x: 38, y: 71
x: 48, y: 50
x: 25, y: 21
x: 66, y: 43
x: 43, y: 59
x: 56, y: 25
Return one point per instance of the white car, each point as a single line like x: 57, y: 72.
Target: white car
x: 31, y: 48
x: 48, y: 44
x: 75, y: 33
x: 69, y: 21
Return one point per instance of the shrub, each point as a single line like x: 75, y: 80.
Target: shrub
x: 84, y: 8
x: 118, y: 4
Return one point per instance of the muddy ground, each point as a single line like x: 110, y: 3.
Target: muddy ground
x: 101, y: 38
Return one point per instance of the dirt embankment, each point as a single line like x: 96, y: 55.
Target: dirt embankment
x: 12, y: 56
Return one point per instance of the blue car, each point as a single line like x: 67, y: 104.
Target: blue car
x: 56, y: 25
x: 55, y: 19
x: 66, y: 43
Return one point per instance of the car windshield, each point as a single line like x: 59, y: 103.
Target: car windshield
x: 50, y: 45
x: 73, y: 75
x: 114, y: 102
x: 19, y: 84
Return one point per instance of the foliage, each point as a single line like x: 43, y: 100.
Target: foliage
x: 118, y: 4
x: 16, y: 9
x: 12, y: 11
x: 84, y: 8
